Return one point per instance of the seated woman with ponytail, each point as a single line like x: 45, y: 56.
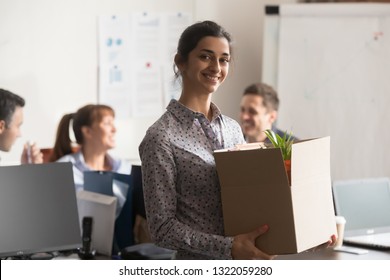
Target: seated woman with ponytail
x: 94, y: 130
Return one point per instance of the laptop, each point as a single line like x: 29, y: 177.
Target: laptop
x: 365, y: 204
x: 38, y: 210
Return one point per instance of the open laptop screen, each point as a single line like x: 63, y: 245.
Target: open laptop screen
x: 38, y: 209
x: 365, y: 203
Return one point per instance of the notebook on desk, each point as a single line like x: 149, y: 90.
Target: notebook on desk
x: 365, y: 204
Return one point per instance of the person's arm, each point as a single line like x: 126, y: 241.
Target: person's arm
x: 31, y: 154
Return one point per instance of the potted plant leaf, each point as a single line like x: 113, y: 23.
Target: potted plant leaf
x: 285, y: 145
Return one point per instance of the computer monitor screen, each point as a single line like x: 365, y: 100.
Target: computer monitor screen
x: 38, y: 209
x: 365, y: 203
x: 102, y: 182
x: 102, y: 210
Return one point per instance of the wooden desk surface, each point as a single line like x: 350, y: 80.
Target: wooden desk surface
x: 330, y: 254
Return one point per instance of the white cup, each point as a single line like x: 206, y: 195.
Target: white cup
x: 340, y: 224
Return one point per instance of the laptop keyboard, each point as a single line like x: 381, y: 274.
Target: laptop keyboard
x: 380, y: 240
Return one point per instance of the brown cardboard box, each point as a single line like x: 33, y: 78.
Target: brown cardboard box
x: 255, y: 191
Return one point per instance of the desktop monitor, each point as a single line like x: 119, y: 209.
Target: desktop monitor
x: 38, y: 209
x: 102, y: 182
x: 102, y: 210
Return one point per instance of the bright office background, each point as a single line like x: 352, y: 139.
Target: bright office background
x: 49, y: 55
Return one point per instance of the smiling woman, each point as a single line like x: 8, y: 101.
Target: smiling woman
x: 181, y: 186
x: 94, y: 130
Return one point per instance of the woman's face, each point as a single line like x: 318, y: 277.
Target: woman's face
x: 207, y: 65
x: 103, y: 132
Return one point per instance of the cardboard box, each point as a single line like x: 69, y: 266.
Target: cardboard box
x: 255, y: 191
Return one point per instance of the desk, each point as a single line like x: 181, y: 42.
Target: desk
x: 325, y: 254
x: 329, y: 254
x: 76, y: 257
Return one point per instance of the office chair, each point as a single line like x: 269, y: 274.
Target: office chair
x: 124, y: 239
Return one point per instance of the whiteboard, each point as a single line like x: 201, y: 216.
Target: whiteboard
x: 333, y: 79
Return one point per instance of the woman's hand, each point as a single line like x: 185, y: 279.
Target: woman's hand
x: 244, y: 247
x: 331, y: 242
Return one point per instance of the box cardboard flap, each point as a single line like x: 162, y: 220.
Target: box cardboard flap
x: 311, y: 193
x: 254, y: 182
x: 310, y: 159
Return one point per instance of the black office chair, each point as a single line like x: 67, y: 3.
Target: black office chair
x: 124, y: 224
x: 124, y: 242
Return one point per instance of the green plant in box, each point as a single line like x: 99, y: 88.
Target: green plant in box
x: 285, y: 145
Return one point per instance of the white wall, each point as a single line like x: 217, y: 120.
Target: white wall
x: 244, y: 20
x: 48, y: 55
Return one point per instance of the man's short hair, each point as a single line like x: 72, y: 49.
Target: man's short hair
x: 269, y: 95
x: 8, y: 103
